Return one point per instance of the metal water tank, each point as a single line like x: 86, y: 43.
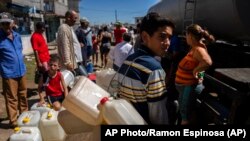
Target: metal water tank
x: 226, y: 19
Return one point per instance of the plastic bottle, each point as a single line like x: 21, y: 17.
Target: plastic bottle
x: 75, y: 125
x: 50, y: 129
x: 26, y: 134
x: 82, y: 70
x: 201, y: 74
x: 90, y: 67
x: 83, y: 99
x: 69, y: 78
x: 119, y: 111
x: 104, y: 77
x: 41, y: 108
x: 29, y: 118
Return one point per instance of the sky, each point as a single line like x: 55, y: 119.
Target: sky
x: 103, y: 11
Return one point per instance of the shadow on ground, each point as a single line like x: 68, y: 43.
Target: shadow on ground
x: 32, y: 92
x: 32, y: 96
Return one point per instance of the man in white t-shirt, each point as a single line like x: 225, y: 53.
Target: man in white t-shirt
x: 121, y: 51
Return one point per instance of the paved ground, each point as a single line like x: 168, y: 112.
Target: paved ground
x: 33, y: 97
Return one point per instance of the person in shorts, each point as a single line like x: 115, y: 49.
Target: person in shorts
x: 54, y: 85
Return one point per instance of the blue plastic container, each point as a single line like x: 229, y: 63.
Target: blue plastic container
x: 90, y: 67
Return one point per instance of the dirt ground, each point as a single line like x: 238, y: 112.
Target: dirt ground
x: 5, y: 131
x: 33, y: 97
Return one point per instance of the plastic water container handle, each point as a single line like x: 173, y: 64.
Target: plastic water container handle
x: 104, y: 100
x: 27, y: 131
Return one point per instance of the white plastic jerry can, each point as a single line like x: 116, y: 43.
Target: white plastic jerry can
x: 26, y: 134
x: 29, y: 118
x: 104, y: 77
x: 83, y: 99
x: 72, y: 124
x: 119, y: 111
x: 41, y: 108
x: 69, y: 78
x: 50, y: 129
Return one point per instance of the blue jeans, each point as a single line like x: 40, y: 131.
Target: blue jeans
x: 89, y: 51
x: 187, y: 98
x: 80, y: 70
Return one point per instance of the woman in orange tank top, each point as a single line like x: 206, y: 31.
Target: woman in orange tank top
x: 196, y: 61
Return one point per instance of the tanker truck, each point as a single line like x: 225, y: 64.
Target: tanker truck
x: 225, y: 99
x: 227, y: 19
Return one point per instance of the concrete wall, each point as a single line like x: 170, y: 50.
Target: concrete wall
x: 27, y: 48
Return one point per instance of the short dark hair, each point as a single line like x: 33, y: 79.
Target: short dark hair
x: 54, y: 58
x: 40, y: 25
x: 127, y: 37
x: 69, y: 13
x: 152, y: 21
x: 105, y: 28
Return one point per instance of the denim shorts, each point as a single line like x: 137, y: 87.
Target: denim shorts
x: 187, y: 98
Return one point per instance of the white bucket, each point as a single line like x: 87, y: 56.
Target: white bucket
x: 69, y: 78
x: 120, y: 111
x: 41, y: 108
x: 103, y: 78
x: 50, y: 129
x: 26, y: 134
x: 83, y: 99
x: 29, y: 118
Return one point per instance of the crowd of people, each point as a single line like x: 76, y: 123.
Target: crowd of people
x: 153, y: 68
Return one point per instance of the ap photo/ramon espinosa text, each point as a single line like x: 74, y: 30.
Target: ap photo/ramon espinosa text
x: 112, y: 132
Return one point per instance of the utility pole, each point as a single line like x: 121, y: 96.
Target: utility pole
x: 116, y: 16
x: 41, y: 8
x: 40, y: 3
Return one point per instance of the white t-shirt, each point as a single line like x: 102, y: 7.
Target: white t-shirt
x: 121, y: 52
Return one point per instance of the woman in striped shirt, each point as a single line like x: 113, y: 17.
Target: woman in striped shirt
x: 195, y: 62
